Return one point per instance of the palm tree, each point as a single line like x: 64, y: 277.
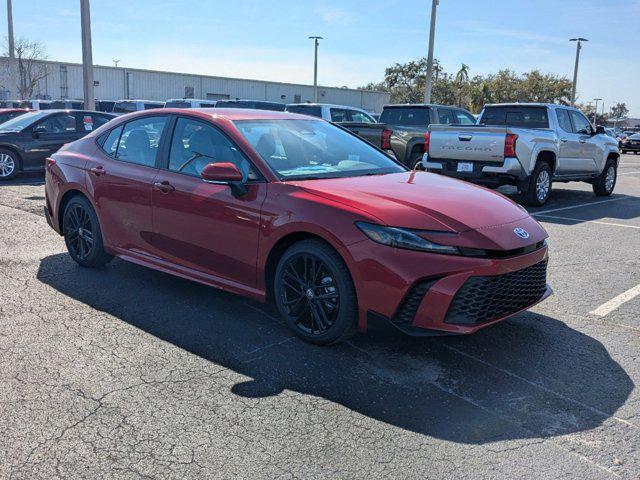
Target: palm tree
x: 462, y: 79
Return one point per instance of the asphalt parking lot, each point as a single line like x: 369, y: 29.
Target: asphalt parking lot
x: 128, y: 373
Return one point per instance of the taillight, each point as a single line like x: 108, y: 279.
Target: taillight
x: 386, y: 139
x: 49, y: 162
x: 427, y: 140
x: 510, y: 145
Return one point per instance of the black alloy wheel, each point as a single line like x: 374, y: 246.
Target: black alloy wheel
x: 82, y: 234
x: 314, y: 293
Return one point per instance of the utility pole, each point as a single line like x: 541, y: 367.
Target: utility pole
x: 578, y: 41
x: 87, y: 57
x: 432, y: 31
x: 315, y: 68
x: 116, y: 62
x: 595, y: 111
x: 12, y: 51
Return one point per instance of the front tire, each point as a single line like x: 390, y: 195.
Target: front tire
x: 82, y: 234
x: 314, y: 293
x: 604, y: 183
x: 540, y: 184
x: 9, y: 164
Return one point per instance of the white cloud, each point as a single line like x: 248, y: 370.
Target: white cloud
x: 335, y: 16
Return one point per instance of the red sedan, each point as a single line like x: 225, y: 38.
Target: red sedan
x: 293, y: 208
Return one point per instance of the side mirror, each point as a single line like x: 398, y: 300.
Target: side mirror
x: 224, y: 173
x: 39, y: 130
x: 600, y: 130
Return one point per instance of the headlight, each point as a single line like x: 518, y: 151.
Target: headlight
x: 403, y: 238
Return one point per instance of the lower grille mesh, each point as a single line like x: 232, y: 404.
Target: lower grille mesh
x: 482, y: 299
x: 409, y: 306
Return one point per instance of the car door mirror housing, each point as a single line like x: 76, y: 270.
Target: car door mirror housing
x: 39, y: 130
x: 223, y: 172
x: 600, y: 130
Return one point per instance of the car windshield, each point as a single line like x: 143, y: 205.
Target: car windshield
x: 308, y: 149
x: 177, y: 104
x: 23, y: 121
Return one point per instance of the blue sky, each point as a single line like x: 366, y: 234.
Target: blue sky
x: 268, y: 39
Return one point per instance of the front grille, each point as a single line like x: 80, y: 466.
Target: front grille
x: 481, y: 299
x: 411, y: 302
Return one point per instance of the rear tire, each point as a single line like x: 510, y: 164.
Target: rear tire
x: 414, y: 158
x: 314, y: 293
x: 82, y: 234
x: 9, y: 164
x: 540, y: 184
x: 604, y: 183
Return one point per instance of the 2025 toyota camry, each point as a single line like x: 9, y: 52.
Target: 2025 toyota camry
x: 284, y: 206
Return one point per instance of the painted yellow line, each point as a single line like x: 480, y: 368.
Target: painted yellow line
x: 614, y: 303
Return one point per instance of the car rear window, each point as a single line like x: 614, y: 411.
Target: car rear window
x: 305, y: 110
x: 515, y: 116
x: 124, y: 107
x: 406, y: 116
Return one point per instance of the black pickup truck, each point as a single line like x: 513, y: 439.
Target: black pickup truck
x: 410, y: 123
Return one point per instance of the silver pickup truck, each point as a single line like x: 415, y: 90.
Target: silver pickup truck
x: 529, y: 145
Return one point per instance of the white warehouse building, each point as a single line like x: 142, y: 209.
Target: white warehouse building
x: 64, y: 81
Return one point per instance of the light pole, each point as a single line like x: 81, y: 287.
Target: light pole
x: 578, y: 41
x: 595, y: 111
x: 12, y: 50
x: 315, y: 67
x: 432, y: 31
x: 87, y: 57
x: 116, y: 62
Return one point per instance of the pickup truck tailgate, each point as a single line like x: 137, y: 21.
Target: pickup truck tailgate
x: 476, y: 143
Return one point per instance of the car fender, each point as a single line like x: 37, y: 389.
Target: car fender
x: 538, y: 148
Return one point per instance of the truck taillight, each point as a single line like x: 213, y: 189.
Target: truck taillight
x: 386, y: 139
x: 49, y: 162
x: 510, y: 145
x: 427, y: 140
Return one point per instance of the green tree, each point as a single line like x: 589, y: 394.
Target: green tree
x: 619, y: 111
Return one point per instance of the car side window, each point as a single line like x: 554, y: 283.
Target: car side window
x: 195, y: 144
x: 339, y: 115
x: 445, y: 115
x: 140, y: 140
x: 111, y: 141
x: 464, y: 118
x: 359, y: 117
x: 563, y: 120
x: 60, y: 123
x: 150, y: 106
x: 580, y: 123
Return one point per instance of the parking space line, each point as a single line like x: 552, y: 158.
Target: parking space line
x: 581, y: 220
x: 614, y: 303
x: 628, y: 173
x: 582, y: 205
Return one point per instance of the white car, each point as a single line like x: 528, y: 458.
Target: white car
x: 189, y: 103
x: 332, y: 113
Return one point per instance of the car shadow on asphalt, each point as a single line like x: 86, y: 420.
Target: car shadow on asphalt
x: 529, y: 377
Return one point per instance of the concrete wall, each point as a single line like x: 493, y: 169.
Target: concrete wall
x: 156, y: 85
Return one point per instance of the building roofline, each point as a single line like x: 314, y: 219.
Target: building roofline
x: 133, y: 69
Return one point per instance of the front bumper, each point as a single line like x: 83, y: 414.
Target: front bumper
x: 630, y: 147
x: 508, y: 172
x: 430, y: 294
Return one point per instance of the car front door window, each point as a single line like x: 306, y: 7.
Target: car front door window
x: 140, y: 140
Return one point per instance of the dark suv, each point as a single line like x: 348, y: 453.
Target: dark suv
x: 410, y: 122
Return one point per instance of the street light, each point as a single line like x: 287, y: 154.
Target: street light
x: 595, y: 111
x: 315, y: 67
x: 116, y: 62
x: 578, y: 41
x: 432, y: 31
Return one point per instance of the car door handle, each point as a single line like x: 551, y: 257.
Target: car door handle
x: 564, y: 140
x: 164, y: 187
x: 99, y: 170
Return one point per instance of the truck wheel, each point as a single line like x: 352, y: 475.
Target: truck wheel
x: 414, y: 159
x: 9, y: 164
x: 539, y: 188
x: 604, y: 183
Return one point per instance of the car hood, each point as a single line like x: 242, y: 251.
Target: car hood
x: 420, y: 200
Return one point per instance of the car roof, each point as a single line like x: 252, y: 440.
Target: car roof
x: 527, y: 104
x: 420, y: 105
x: 330, y: 105
x: 233, y: 114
